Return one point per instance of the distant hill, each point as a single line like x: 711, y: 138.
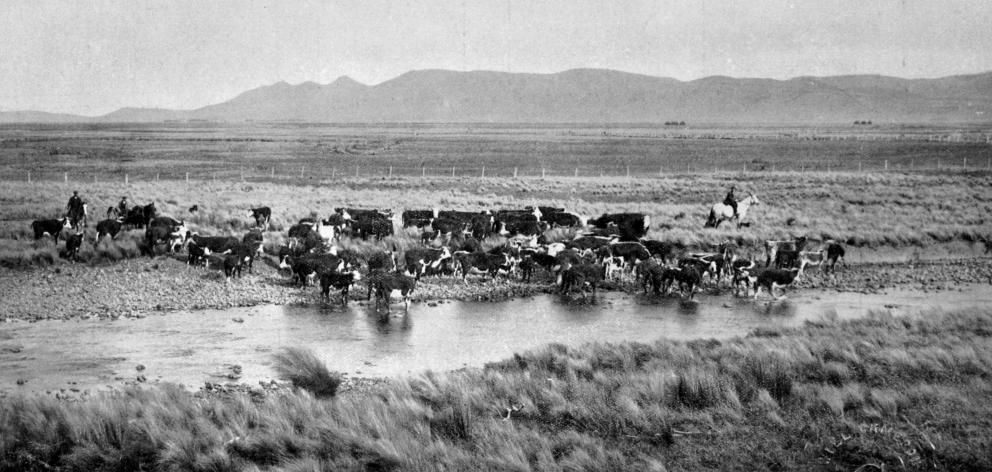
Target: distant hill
x: 591, y: 96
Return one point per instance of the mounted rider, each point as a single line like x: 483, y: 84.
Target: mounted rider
x: 75, y: 209
x: 122, y: 207
x: 730, y: 200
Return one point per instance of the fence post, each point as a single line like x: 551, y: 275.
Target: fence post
x: 659, y: 171
x: 886, y: 164
x: 390, y: 171
x: 964, y: 162
x: 94, y: 177
x: 514, y: 172
x: 483, y: 172
x: 125, y: 179
x: 542, y: 172
x: 423, y: 172
x: 65, y: 177
x: 988, y: 163
x: 301, y: 171
x: 187, y: 177
x: 452, y: 171
x: 334, y: 172
x: 356, y: 171
x: 859, y: 166
x: 272, y: 173
x: 628, y: 172
x: 938, y: 163
x: 576, y: 172
x: 156, y: 176
x: 29, y: 176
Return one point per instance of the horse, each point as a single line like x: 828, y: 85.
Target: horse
x: 77, y: 216
x: 721, y: 211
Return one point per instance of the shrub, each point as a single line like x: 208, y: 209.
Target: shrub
x: 305, y: 370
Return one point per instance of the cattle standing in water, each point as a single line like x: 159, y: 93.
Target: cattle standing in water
x: 261, y: 216
x: 342, y: 282
x: 386, y: 285
x: 772, y: 278
x: 581, y: 277
x: 52, y: 227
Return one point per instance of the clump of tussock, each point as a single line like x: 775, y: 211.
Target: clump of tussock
x: 305, y: 370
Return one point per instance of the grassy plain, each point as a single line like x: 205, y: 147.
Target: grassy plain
x: 881, y: 393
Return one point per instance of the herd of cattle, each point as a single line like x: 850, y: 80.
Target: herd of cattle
x: 610, y: 248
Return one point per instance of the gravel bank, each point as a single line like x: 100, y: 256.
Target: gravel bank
x: 135, y: 287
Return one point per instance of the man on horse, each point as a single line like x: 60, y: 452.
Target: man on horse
x: 75, y: 209
x: 730, y: 200
x: 122, y: 207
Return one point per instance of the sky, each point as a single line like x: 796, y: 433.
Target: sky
x: 95, y: 56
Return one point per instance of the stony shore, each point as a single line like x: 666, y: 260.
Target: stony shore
x: 136, y: 287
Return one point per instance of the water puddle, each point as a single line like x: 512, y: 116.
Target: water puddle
x: 194, y: 347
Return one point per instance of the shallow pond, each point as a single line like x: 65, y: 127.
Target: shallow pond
x: 194, y: 347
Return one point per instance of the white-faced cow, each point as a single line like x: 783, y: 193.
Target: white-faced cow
x: 50, y: 227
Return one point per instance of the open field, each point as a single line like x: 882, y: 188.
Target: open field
x: 302, y: 153
x: 881, y: 393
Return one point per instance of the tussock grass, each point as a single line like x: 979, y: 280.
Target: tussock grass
x: 305, y: 370
x: 883, y: 390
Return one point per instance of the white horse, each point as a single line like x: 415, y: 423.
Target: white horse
x: 721, y: 212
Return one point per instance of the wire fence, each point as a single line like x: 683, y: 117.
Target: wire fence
x: 304, y: 173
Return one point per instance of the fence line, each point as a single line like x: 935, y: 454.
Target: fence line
x: 297, y: 173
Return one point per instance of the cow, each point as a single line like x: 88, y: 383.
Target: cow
x: 51, y: 227
x: 632, y: 226
x: 300, y: 230
x: 261, y: 215
x: 580, y: 277
x: 772, y: 248
x: 247, y: 251
x: 216, y: 244
x: 836, y: 251
x: 382, y: 261
x: 193, y: 209
x: 72, y: 244
x: 629, y: 252
x: 589, y: 242
x: 448, y: 226
x: 139, y: 216
x: 384, y: 285
x: 108, y: 227
x: 661, y: 278
x: 481, y: 262
x: 418, y: 218
x: 522, y: 227
x: 309, y: 265
x: 770, y: 278
x: 378, y: 228
x: 196, y: 254
x: 232, y: 265
x: 666, y: 251
x: 342, y: 281
x: 419, y: 259
x: 172, y: 235
x: 355, y: 214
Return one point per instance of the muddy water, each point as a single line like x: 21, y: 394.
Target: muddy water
x: 194, y: 347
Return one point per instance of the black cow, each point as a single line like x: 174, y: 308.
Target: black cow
x: 194, y: 208
x: 246, y: 251
x: 139, y: 216
x: 382, y: 261
x: 310, y: 265
x: 261, y: 215
x: 482, y: 262
x: 448, y: 226
x: 52, y: 227
x: 632, y: 226
x: 342, y: 281
x: 232, y: 265
x: 355, y: 214
x: 216, y: 244
x: 418, y: 218
x: 384, y: 285
x: 836, y: 251
x: 771, y: 278
x: 108, y: 227
x: 666, y: 251
x: 171, y: 235
x: 772, y: 248
x: 582, y: 276
x: 564, y: 219
x: 378, y: 228
x: 72, y: 244
x: 300, y: 230
x: 688, y: 277
x: 522, y: 227
x: 589, y: 242
x: 629, y: 252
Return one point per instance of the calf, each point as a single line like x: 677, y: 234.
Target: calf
x: 386, y: 285
x: 52, y: 227
x: 232, y: 265
x: 196, y: 254
x: 836, y: 251
x: 770, y: 278
x: 342, y: 281
x: 688, y: 278
x: 261, y: 215
x: 72, y: 244
x: 108, y: 227
x: 582, y: 276
x: 772, y: 248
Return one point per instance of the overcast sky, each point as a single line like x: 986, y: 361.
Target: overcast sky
x: 93, y: 57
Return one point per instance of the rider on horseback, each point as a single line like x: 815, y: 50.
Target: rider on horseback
x: 730, y: 200
x: 75, y: 208
x: 122, y: 207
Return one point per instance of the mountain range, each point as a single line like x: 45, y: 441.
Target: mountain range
x: 586, y: 96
